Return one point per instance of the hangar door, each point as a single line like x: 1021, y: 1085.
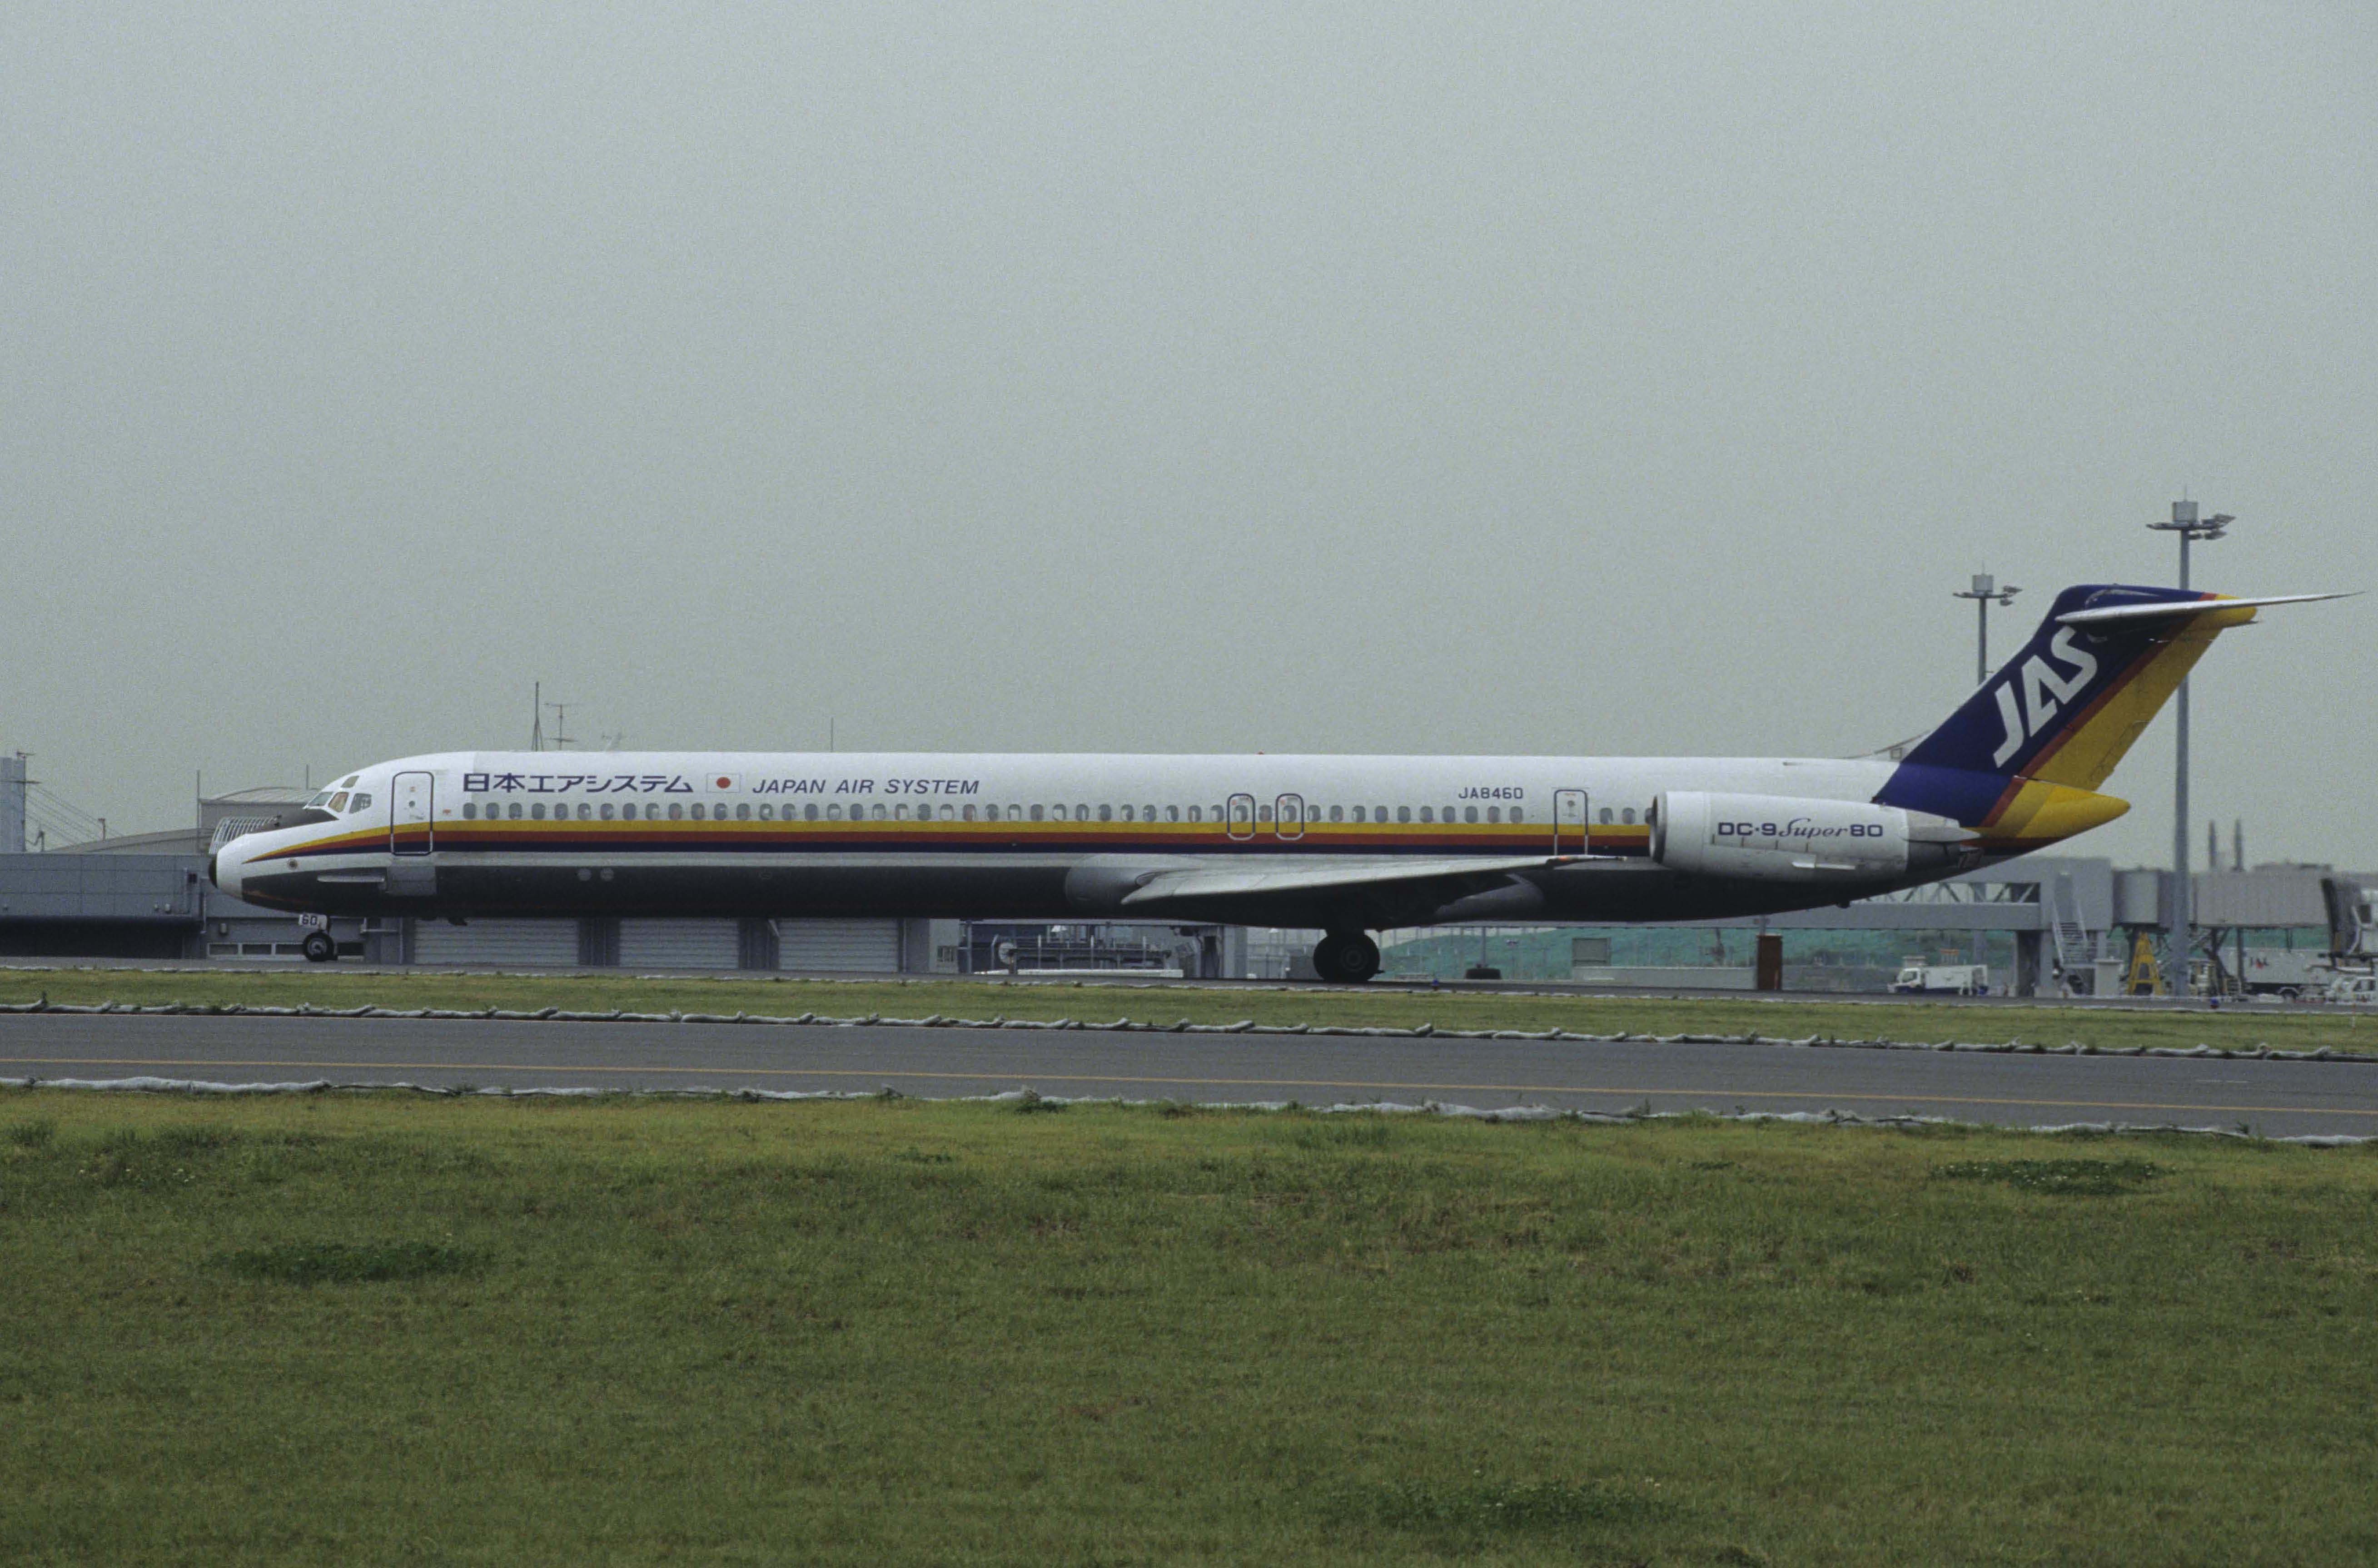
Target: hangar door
x: 507, y: 942
x: 868, y: 947
x: 678, y: 944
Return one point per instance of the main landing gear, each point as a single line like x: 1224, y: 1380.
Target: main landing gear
x: 1345, y: 958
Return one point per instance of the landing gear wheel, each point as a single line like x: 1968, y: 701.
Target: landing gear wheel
x: 1346, y: 959
x: 318, y: 948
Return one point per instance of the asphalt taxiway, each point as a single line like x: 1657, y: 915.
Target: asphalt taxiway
x: 2273, y: 1098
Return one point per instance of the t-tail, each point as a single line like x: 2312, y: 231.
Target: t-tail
x: 2019, y: 763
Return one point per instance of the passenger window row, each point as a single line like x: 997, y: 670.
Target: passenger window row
x: 538, y: 811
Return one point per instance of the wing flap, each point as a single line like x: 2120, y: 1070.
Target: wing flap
x: 1172, y: 887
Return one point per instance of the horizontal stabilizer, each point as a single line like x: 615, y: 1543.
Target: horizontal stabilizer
x: 2174, y: 611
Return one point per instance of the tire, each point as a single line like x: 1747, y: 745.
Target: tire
x: 1345, y: 959
x: 1328, y: 953
x: 319, y: 948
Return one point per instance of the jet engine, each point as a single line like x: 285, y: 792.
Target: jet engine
x: 1779, y: 838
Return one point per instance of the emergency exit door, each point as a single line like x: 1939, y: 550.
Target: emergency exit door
x: 1569, y: 822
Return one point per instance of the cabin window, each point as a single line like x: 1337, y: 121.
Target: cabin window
x: 607, y: 813
x: 877, y: 813
x: 1358, y: 814
x: 677, y: 812
x: 1081, y: 813
x: 470, y: 810
x: 1427, y: 814
x: 1126, y: 813
x: 742, y: 813
x: 1337, y: 813
x: 949, y: 814
x: 516, y: 812
x: 1517, y: 815
x: 833, y: 812
x: 1196, y: 814
x: 1263, y: 812
x: 768, y: 813
x: 536, y: 811
x: 1494, y: 813
x: 1148, y: 813
x: 1038, y: 813
x: 1627, y: 816
x: 1173, y: 813
x: 900, y: 813
x: 586, y: 812
x: 1608, y: 816
x: 966, y: 815
x: 1106, y: 813
x: 810, y: 812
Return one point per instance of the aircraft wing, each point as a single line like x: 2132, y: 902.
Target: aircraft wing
x: 1449, y: 878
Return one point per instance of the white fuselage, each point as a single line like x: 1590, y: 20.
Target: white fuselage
x: 1324, y: 841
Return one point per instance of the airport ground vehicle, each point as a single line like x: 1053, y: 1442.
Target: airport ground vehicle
x: 2285, y: 972
x: 1343, y: 844
x: 1944, y: 979
x: 2353, y: 990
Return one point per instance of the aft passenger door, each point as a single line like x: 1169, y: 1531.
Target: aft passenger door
x: 1569, y: 822
x: 1290, y: 819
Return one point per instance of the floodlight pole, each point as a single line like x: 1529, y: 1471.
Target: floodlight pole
x: 2181, y: 919
x: 1984, y: 589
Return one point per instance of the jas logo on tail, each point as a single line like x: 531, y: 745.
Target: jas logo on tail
x: 2045, y: 693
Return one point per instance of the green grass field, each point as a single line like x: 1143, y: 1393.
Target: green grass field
x: 2341, y: 1029
x: 361, y: 1329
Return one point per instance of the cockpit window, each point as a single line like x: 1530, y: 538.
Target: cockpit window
x: 319, y: 798
x: 359, y: 802
x: 338, y: 801
x: 349, y: 782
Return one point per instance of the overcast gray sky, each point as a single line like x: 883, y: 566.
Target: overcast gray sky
x: 1561, y: 378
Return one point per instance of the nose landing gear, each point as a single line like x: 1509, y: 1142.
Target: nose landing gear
x: 1345, y: 958
x: 318, y: 948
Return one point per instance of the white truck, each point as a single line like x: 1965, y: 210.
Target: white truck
x: 2354, y: 991
x: 1943, y: 979
x: 2285, y: 972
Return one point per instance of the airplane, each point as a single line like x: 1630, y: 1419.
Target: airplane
x: 1344, y: 844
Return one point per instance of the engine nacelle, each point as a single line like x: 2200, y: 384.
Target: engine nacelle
x: 1779, y: 838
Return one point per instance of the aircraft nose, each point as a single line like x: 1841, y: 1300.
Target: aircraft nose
x: 224, y: 871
